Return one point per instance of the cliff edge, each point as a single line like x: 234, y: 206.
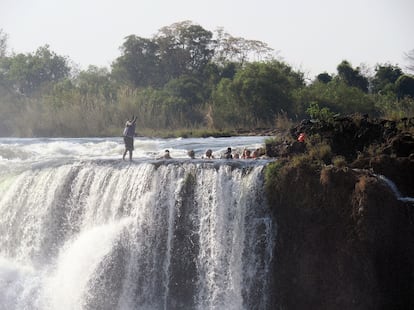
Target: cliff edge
x: 344, y: 239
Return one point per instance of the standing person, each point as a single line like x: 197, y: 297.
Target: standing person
x: 129, y: 133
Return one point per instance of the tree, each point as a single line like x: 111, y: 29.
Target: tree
x: 184, y: 48
x: 96, y: 82
x: 192, y: 95
x: 138, y: 64
x: 405, y: 86
x: 385, y: 77
x: 198, y: 42
x: 324, y: 78
x: 338, y: 97
x: 27, y: 73
x: 239, y: 50
x: 352, y: 77
x: 259, y: 92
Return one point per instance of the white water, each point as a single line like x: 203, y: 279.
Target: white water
x: 395, y: 189
x: 88, y: 231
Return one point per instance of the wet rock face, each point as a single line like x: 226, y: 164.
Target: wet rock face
x: 398, y: 169
x: 343, y: 242
x: 402, y: 145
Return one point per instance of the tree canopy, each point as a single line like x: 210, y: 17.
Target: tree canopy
x: 184, y: 76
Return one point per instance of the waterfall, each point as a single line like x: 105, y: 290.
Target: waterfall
x: 101, y: 234
x: 395, y: 189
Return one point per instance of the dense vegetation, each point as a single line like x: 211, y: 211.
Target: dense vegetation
x: 185, y: 77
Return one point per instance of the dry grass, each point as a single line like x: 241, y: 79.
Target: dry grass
x: 283, y: 123
x: 339, y: 161
x: 320, y: 151
x: 325, y: 177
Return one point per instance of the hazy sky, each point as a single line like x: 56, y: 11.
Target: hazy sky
x: 311, y: 35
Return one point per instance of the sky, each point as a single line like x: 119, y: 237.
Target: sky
x: 313, y: 36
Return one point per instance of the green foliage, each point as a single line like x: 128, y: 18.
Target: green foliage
x: 138, y: 65
x: 226, y: 110
x: 352, y: 77
x: 303, y: 161
x: 273, y: 175
x: 181, y: 81
x: 405, y: 86
x: 385, y: 78
x: 324, y: 78
x: 229, y: 49
x: 320, y: 152
x: 338, y: 97
x: 28, y: 73
x: 258, y: 92
x: 392, y: 108
x: 321, y: 114
x: 184, y: 48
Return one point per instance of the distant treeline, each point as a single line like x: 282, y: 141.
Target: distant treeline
x: 184, y: 77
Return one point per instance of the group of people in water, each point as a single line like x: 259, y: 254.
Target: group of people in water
x: 229, y: 154
x: 129, y: 134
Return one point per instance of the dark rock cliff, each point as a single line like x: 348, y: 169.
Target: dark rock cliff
x: 344, y: 240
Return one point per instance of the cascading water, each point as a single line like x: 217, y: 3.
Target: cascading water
x: 102, y: 234
x: 395, y: 189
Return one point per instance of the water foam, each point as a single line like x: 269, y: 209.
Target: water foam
x: 152, y: 235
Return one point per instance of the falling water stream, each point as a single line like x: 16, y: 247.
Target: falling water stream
x: 94, y: 232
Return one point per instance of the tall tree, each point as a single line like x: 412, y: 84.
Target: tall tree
x: 405, y: 86
x: 27, y: 73
x: 385, y: 77
x: 258, y: 93
x: 324, y: 77
x: 352, y: 77
x: 192, y: 95
x: 338, y: 97
x: 184, y: 48
x: 236, y: 49
x: 138, y: 64
x: 96, y: 82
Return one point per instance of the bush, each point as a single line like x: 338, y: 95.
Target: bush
x: 321, y: 114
